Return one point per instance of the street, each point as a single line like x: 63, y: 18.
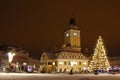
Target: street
x: 61, y: 76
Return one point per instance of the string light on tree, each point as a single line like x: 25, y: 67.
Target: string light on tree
x: 99, y: 58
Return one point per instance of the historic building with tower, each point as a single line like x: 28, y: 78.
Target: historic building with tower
x: 69, y: 56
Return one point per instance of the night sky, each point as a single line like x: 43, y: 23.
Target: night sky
x: 39, y: 25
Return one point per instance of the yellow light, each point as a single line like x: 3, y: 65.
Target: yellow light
x: 73, y: 62
x: 84, y: 63
x: 61, y: 63
x: 53, y: 63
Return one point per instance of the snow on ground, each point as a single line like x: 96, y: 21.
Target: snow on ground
x: 31, y: 76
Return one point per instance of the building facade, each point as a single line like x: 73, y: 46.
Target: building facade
x: 67, y: 58
x: 21, y: 56
x: 114, y: 62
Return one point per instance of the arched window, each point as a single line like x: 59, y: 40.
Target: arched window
x: 49, y: 63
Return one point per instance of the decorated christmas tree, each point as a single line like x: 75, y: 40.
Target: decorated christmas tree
x: 99, y: 59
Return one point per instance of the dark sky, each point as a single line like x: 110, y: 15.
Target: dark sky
x: 40, y: 25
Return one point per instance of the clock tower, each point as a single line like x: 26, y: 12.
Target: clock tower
x: 72, y: 35
x: 69, y: 56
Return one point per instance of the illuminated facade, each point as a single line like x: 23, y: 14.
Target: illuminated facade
x: 69, y: 56
x: 21, y: 56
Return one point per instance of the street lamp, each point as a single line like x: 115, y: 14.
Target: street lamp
x: 10, y: 56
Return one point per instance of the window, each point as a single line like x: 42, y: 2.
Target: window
x: 74, y: 56
x: 49, y: 63
x: 65, y: 63
x: 43, y: 56
x: 61, y: 63
x: 80, y: 56
x: 79, y: 63
x: 69, y: 63
x: 55, y: 63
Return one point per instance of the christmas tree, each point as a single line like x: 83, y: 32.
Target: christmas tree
x: 99, y: 59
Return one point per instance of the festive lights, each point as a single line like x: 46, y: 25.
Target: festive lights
x: 99, y: 59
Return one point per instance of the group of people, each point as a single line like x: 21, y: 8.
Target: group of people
x: 23, y: 68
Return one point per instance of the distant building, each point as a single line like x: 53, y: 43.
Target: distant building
x: 114, y: 61
x: 69, y: 57
x: 21, y: 56
x: 34, y: 62
x: 3, y: 60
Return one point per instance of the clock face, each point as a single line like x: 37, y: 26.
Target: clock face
x: 75, y: 34
x: 67, y: 34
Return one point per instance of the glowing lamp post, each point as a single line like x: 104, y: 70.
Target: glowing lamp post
x: 10, y: 57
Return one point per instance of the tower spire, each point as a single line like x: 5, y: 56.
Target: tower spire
x: 72, y: 23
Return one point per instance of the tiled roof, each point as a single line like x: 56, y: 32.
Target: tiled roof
x: 66, y: 53
x: 70, y: 53
x: 50, y: 55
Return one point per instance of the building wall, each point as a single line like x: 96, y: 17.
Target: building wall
x: 20, y: 56
x: 69, y: 57
x: 46, y: 66
x: 72, y: 37
x: 65, y: 65
x: 114, y: 61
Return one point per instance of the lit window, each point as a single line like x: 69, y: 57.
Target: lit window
x: 84, y: 63
x: 53, y: 63
x: 73, y: 63
x: 61, y: 63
